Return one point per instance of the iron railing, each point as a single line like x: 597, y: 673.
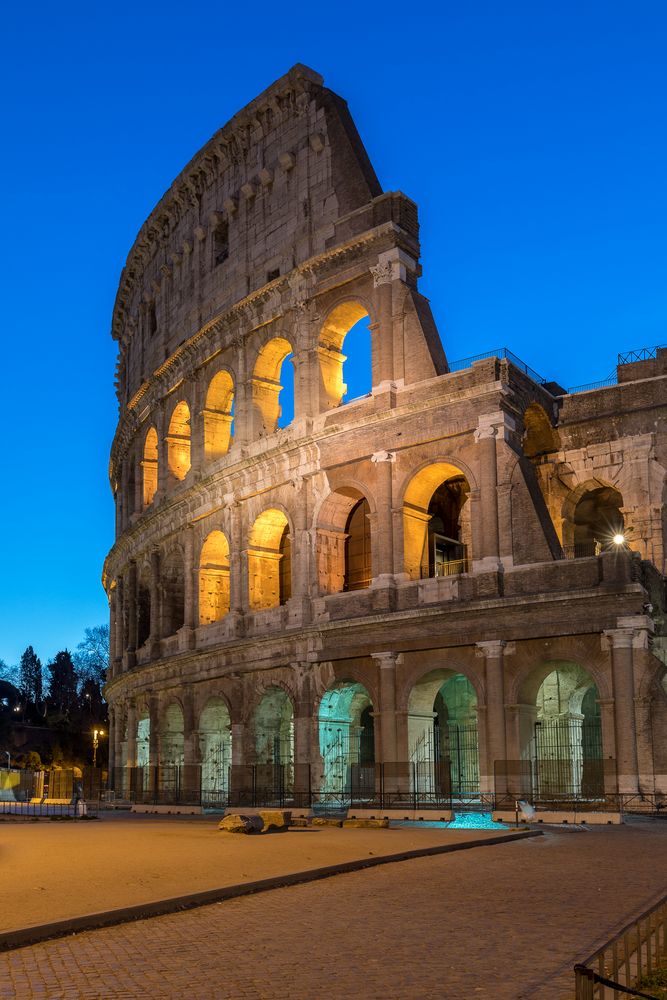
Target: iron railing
x: 643, y: 354
x: 499, y: 352
x: 618, y: 968
x: 601, y: 384
x: 51, y: 793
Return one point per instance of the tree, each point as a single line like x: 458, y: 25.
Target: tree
x: 62, y: 682
x: 9, y: 674
x: 30, y: 676
x: 92, y: 654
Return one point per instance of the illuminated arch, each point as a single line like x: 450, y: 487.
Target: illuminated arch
x: 334, y: 331
x: 436, y: 526
x: 215, y: 745
x: 269, y: 561
x: 214, y: 578
x: 344, y: 542
x: 217, y: 415
x: 178, y: 441
x: 149, y: 467
x: 346, y: 738
x: 539, y: 437
x: 274, y: 728
x: 172, y: 739
x: 592, y: 516
x: 266, y: 383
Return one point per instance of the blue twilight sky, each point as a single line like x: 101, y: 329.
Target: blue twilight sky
x: 531, y: 135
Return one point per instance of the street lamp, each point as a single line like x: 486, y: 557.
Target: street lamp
x: 96, y: 742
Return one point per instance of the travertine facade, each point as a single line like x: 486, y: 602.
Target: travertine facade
x: 427, y: 571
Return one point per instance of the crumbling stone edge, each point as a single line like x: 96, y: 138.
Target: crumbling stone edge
x: 37, y: 933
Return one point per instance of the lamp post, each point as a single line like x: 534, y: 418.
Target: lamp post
x: 96, y: 742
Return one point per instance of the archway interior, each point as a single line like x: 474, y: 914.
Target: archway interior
x: 358, y: 573
x: 344, y: 542
x: 178, y: 442
x: 436, y: 522
x: 539, y: 437
x: 274, y: 728
x: 149, y: 467
x: 273, y: 386
x: 173, y: 593
x: 215, y: 747
x: 561, y: 731
x: 218, y: 416
x: 172, y: 741
x: 143, y: 610
x: 143, y: 740
x: 269, y: 561
x: 214, y: 594
x: 597, y: 519
x: 346, y: 735
x: 344, y: 377
x: 442, y: 730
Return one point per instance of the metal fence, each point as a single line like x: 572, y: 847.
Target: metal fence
x: 51, y: 793
x: 556, y: 783
x: 617, y: 969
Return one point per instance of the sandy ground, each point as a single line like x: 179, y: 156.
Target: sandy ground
x: 51, y: 871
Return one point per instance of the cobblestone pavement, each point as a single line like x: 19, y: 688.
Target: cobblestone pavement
x: 504, y: 922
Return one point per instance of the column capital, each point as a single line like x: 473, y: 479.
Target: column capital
x: 617, y: 638
x: 494, y: 648
x: 387, y: 660
x: 498, y: 424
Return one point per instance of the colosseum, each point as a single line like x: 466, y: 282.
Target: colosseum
x: 448, y: 588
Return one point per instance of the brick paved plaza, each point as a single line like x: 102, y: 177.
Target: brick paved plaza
x: 503, y: 922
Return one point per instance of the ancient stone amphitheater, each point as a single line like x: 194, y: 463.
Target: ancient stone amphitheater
x: 449, y: 587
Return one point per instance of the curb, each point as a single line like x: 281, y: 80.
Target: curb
x: 24, y: 936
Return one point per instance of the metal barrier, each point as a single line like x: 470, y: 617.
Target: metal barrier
x: 498, y: 352
x: 64, y: 793
x: 617, y: 969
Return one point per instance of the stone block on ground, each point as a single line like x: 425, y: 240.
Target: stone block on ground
x: 366, y: 824
x: 325, y: 821
x: 236, y: 823
x: 275, y: 820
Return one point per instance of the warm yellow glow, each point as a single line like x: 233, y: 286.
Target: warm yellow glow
x: 415, y: 512
x: 619, y: 539
x: 214, y: 578
x: 178, y: 441
x: 334, y: 331
x: 266, y: 384
x: 149, y: 467
x: 264, y: 559
x: 218, y: 415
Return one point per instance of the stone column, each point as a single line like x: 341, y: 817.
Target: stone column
x: 382, y: 545
x: 487, y: 547
x: 131, y: 755
x: 238, y: 587
x: 302, y: 733
x: 187, y: 636
x: 131, y: 600
x: 162, y: 451
x: 154, y: 731
x: 386, y: 662
x: 382, y: 333
x: 493, y: 652
x: 115, y: 652
x: 155, y: 635
x: 619, y: 644
x: 113, y: 737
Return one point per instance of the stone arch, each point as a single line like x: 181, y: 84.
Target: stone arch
x: 592, y: 516
x: 178, y: 442
x: 143, y: 604
x: 218, y: 415
x: 172, y: 735
x: 149, y: 467
x: 143, y: 736
x: 539, y: 437
x: 267, y: 384
x: 269, y: 560
x: 172, y: 579
x: 214, y: 576
x: 343, y: 541
x: 560, y: 730
x: 436, y: 521
x: 215, y: 749
x: 443, y: 727
x: 273, y: 727
x: 343, y: 318
x: 346, y: 735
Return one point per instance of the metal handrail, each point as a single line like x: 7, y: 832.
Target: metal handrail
x: 636, y: 951
x: 643, y: 354
x: 498, y: 352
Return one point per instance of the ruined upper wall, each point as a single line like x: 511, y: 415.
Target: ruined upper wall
x: 284, y: 180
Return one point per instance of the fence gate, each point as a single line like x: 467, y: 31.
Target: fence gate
x: 460, y: 744
x: 215, y: 776
x: 567, y: 758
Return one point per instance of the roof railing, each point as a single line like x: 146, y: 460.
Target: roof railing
x: 643, y: 354
x: 498, y: 352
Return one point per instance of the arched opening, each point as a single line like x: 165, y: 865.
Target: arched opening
x: 143, y: 739
x: 172, y: 741
x: 149, y: 467
x: 436, y: 522
x: 218, y: 416
x: 173, y: 593
x: 269, y: 581
x: 178, y: 442
x: 561, y: 732
x: 274, y: 747
x: 270, y: 377
x: 539, y: 437
x: 214, y: 578
x: 344, y: 542
x: 347, y: 743
x: 345, y: 378
x: 215, y: 746
x: 443, y: 737
x: 596, y: 521
x: 143, y: 609
x: 358, y: 574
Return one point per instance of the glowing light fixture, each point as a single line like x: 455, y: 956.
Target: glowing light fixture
x: 619, y: 539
